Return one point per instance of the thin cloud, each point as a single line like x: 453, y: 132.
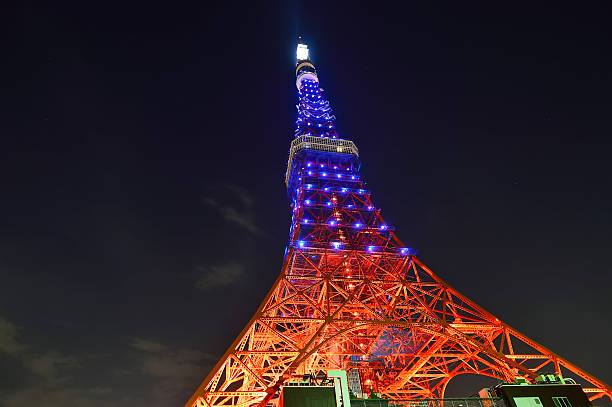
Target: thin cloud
x: 49, y: 365
x: 148, y: 346
x: 172, y: 369
x: 8, y: 338
x: 242, y: 194
x: 173, y: 365
x: 244, y: 216
x: 220, y: 275
x: 40, y: 394
x: 49, y: 374
x: 231, y: 214
x: 167, y: 372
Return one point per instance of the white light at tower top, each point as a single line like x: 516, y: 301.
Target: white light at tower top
x: 302, y: 52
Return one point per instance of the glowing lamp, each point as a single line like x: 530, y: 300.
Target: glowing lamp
x: 301, y: 243
x: 336, y: 245
x: 301, y: 52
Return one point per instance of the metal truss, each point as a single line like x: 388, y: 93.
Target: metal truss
x: 367, y: 304
x: 351, y: 296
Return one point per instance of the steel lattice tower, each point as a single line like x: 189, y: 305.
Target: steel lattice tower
x: 351, y: 296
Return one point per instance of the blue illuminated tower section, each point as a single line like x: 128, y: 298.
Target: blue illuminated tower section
x: 331, y: 206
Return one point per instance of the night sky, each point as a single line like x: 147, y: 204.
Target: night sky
x: 143, y: 150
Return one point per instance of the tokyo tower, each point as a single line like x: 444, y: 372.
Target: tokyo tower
x: 351, y: 296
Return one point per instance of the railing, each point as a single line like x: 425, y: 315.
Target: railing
x: 448, y: 402
x: 329, y: 145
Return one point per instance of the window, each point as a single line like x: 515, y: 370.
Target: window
x: 561, y: 402
x: 527, y: 402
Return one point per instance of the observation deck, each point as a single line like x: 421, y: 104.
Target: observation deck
x: 324, y: 144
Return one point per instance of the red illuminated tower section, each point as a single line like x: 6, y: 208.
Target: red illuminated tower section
x: 351, y: 296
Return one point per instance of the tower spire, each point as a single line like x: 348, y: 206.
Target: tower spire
x: 315, y: 123
x: 315, y: 116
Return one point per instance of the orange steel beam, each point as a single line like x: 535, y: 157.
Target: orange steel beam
x: 201, y: 388
x: 258, y: 382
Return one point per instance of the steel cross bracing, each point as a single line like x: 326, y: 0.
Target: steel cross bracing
x: 365, y: 304
x: 351, y: 296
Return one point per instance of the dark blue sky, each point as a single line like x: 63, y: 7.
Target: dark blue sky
x: 144, y: 148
